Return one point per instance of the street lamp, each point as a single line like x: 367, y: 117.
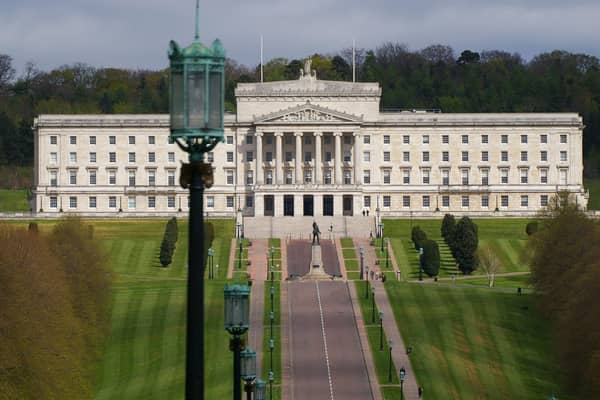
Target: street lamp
x: 387, y: 253
x: 271, y: 319
x: 260, y: 390
x: 271, y: 347
x: 239, y: 230
x: 211, y: 253
x: 380, y: 330
x: 248, y: 370
x: 420, y: 263
x: 367, y: 285
x: 390, y: 344
x: 381, y: 228
x: 373, y: 305
x: 272, y: 296
x: 237, y: 309
x: 362, y: 256
x: 272, y: 255
x: 402, y: 376
x: 241, y: 253
x: 271, y: 378
x: 196, y: 93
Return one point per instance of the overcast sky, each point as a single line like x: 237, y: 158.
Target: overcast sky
x: 135, y: 33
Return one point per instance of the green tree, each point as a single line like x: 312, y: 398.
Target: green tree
x: 431, y: 257
x: 465, y: 244
x: 448, y: 230
x: 418, y: 236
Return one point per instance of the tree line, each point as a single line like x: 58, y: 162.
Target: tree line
x: 433, y: 77
x: 55, y: 311
x: 564, y: 254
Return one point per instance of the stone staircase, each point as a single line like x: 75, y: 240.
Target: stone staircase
x: 301, y: 227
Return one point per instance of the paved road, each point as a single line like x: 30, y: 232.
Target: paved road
x: 325, y: 355
x: 299, y: 255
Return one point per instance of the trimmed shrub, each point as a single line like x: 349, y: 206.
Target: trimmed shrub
x: 531, y: 228
x: 431, y: 258
x: 448, y: 231
x: 418, y: 236
x: 167, y: 246
x: 33, y: 227
x: 166, y: 253
x: 465, y: 242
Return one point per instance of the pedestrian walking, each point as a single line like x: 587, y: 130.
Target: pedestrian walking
x: 420, y: 391
x: 371, y: 234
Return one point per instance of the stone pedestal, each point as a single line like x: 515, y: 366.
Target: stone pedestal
x: 316, y: 264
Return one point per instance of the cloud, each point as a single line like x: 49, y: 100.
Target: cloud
x: 135, y: 33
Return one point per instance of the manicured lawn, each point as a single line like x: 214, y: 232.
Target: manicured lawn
x: 518, y: 281
x: 145, y: 353
x: 266, y: 355
x: 593, y: 185
x: 473, y: 343
x: 506, y: 237
x: 13, y: 200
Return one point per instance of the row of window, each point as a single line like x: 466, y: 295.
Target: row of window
x: 132, y: 202
x: 465, y: 201
x: 426, y: 156
x: 112, y: 157
x: 112, y: 177
x: 425, y: 139
x: 111, y: 139
x: 465, y: 175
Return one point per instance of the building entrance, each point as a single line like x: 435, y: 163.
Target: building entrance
x: 269, y: 205
x: 348, y: 204
x: 288, y: 205
x: 309, y: 209
x: 328, y: 205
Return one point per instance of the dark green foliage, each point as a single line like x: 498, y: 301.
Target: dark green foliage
x: 449, y: 230
x: 431, y: 257
x: 465, y: 245
x: 167, y: 246
x: 531, y: 228
x: 418, y: 236
x: 565, y: 271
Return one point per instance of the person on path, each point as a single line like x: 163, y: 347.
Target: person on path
x: 420, y: 391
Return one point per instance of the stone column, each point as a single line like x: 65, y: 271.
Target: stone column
x: 318, y: 159
x: 278, y: 178
x: 338, y: 157
x: 260, y: 175
x: 357, y: 159
x: 298, y: 157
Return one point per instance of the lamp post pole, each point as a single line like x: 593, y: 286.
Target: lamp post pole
x: 361, y: 251
x: 420, y: 263
x: 402, y: 376
x: 237, y: 307
x: 196, y: 126
x: 387, y: 253
x: 390, y: 344
x: 372, y: 305
x: 271, y: 318
x: 382, y: 236
x: 271, y: 377
x: 367, y: 285
x: 380, y: 330
x: 210, y: 263
x: 241, y: 253
x: 272, y: 255
x: 271, y: 347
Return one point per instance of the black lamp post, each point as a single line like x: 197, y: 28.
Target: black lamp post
x: 390, y: 344
x: 272, y: 292
x: 420, y: 263
x: 271, y: 348
x: 402, y: 377
x: 241, y: 253
x: 380, y: 330
x: 272, y: 255
x: 248, y: 370
x: 372, y: 305
x: 361, y: 251
x: 387, y: 253
x: 237, y: 309
x: 196, y: 89
x: 367, y: 285
x: 211, y: 253
x: 271, y: 378
x: 382, y: 236
x: 271, y: 319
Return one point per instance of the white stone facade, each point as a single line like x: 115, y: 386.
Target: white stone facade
x: 311, y: 147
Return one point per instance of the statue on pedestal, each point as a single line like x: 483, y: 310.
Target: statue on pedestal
x: 316, y: 233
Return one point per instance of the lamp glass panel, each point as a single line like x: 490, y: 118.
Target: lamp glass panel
x: 196, y: 99
x: 177, y: 100
x: 215, y: 113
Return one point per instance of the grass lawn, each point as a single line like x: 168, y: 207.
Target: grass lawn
x: 266, y: 355
x: 145, y: 353
x: 13, y: 200
x: 517, y: 281
x: 506, y: 237
x: 473, y: 343
x: 593, y: 185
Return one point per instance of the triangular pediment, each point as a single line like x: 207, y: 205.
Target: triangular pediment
x: 308, y: 113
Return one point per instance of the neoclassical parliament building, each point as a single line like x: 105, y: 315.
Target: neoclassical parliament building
x: 311, y: 147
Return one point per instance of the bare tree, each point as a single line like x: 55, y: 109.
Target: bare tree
x: 7, y: 72
x: 438, y: 53
x: 489, y: 263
